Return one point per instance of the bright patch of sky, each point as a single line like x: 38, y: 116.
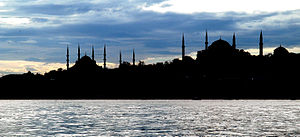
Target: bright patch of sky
x: 248, y: 6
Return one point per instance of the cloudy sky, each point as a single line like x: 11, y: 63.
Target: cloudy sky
x: 34, y: 33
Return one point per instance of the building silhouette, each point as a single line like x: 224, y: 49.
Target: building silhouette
x: 78, y: 51
x: 221, y: 70
x: 281, y: 51
x: 261, y: 44
x: 104, y: 57
x: 206, y: 40
x: 120, y: 59
x: 133, y: 57
x: 233, y: 41
x: 68, y: 57
x: 183, y: 47
x: 93, y: 54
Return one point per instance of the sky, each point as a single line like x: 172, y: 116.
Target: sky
x: 34, y: 34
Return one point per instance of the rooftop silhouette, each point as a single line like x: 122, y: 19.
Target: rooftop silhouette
x: 220, y: 66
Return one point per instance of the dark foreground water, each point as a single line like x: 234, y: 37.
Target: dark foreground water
x: 149, y: 118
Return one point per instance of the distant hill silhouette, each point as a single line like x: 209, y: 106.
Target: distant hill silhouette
x: 220, y: 71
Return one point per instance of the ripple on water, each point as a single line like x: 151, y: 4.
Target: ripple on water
x: 149, y: 118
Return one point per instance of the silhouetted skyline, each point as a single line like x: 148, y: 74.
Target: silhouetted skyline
x: 222, y: 71
x: 217, y: 48
x: 34, y: 34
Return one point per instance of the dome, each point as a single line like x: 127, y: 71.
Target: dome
x: 220, y: 48
x: 85, y: 58
x: 85, y: 64
x: 281, y: 51
x: 219, y: 44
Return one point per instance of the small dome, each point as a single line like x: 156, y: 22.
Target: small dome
x: 281, y: 51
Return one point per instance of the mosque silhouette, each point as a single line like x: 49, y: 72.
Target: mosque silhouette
x: 220, y: 71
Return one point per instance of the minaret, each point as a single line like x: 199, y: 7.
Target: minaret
x: 183, y: 47
x: 133, y: 58
x: 68, y: 57
x: 120, y: 61
x: 233, y: 42
x: 93, y: 54
x: 78, y: 52
x: 104, y: 57
x: 261, y: 44
x: 206, y: 41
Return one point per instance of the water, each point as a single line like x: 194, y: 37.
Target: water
x: 149, y: 118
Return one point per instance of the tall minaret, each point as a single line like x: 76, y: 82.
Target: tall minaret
x: 183, y: 47
x: 104, y: 57
x: 133, y: 58
x: 206, y: 41
x: 233, y: 42
x: 78, y: 52
x: 261, y: 44
x: 120, y: 61
x: 68, y: 57
x: 93, y: 54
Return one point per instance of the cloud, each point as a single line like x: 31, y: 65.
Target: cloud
x: 29, y: 41
x: 2, y: 4
x: 17, y: 21
x: 39, y: 30
x: 109, y: 65
x: 276, y: 20
x: 248, y: 6
x: 268, y: 50
x: 21, y: 66
x: 155, y: 59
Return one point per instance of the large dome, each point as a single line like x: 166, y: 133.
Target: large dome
x: 220, y: 44
x: 220, y: 48
x: 85, y: 64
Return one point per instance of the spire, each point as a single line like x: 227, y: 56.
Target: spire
x: 68, y: 57
x: 93, y: 54
x: 133, y: 58
x: 104, y: 57
x: 78, y: 51
x: 183, y: 47
x: 233, y: 42
x: 206, y: 40
x: 261, y: 44
x: 120, y: 61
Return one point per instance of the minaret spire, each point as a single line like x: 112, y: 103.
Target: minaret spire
x: 133, y: 58
x: 120, y: 61
x: 68, y: 57
x: 206, y: 40
x: 233, y: 42
x: 104, y: 57
x: 261, y: 44
x: 78, y: 52
x: 93, y: 54
x: 183, y: 47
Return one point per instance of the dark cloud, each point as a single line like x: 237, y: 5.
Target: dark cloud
x: 55, y: 9
x: 31, y: 69
x: 39, y: 20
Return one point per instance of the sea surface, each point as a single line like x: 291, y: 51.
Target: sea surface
x: 149, y: 117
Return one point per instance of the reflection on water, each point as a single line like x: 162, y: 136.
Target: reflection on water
x: 151, y: 118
